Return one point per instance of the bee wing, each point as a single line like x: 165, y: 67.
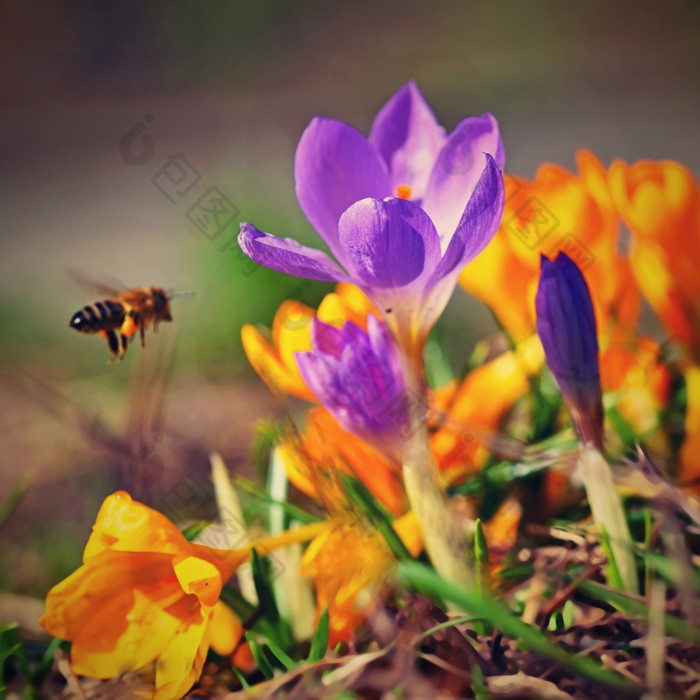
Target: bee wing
x: 138, y: 298
x: 104, y: 285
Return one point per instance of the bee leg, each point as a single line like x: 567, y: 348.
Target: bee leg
x: 142, y: 330
x: 123, y: 341
x: 128, y: 327
x: 112, y: 342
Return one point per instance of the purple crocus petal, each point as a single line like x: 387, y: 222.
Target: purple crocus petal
x: 363, y: 385
x: 567, y: 328
x: 479, y: 221
x: 382, y: 344
x: 476, y: 228
x: 334, y: 166
x: 327, y: 339
x: 388, y: 244
x: 458, y: 168
x: 288, y: 256
x: 409, y: 138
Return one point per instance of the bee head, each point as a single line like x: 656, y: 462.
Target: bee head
x: 161, y: 305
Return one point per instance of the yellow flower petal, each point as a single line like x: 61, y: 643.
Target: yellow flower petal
x: 407, y: 527
x: 267, y: 362
x: 72, y: 602
x: 225, y: 629
x: 199, y: 577
x: 125, y: 633
x: 347, y: 562
x: 181, y: 662
x: 126, y: 525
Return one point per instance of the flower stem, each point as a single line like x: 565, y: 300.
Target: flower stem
x: 445, y: 540
x: 443, y: 534
x: 608, y: 512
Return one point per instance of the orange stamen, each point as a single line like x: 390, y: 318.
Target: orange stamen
x: 404, y: 192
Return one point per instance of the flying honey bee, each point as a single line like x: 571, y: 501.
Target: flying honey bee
x: 118, y: 317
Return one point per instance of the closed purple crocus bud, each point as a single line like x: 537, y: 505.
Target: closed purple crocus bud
x: 357, y: 377
x: 567, y: 328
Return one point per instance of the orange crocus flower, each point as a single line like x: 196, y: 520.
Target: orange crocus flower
x: 349, y: 561
x: 142, y: 593
x: 349, y: 557
x: 689, y: 469
x: 632, y: 372
x: 145, y: 593
x: 313, y: 460
x: 659, y: 201
x: 557, y: 211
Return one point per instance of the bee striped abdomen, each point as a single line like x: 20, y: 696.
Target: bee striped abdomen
x: 100, y: 316
x: 119, y: 318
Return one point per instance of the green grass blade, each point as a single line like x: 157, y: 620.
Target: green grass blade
x: 260, y: 658
x: 282, y: 635
x: 612, y: 571
x: 11, y: 646
x: 674, y: 625
x: 376, y: 514
x: 294, y: 512
x: 426, y: 580
x: 319, y: 640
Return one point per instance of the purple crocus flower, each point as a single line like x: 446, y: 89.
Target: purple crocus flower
x: 357, y: 377
x: 402, y: 211
x: 567, y: 328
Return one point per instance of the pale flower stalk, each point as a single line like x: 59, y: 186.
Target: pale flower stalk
x: 566, y: 325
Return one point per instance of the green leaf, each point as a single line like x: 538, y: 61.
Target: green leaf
x: 260, y: 658
x: 481, y: 548
x: 46, y: 664
x: 481, y: 561
x: 11, y: 646
x: 568, y: 613
x: 243, y: 608
x: 319, y: 640
x: 478, y: 684
x: 622, y: 428
x: 192, y: 531
x: 261, y: 495
x: 241, y: 678
x: 499, y: 476
x: 425, y: 579
x: 452, y: 622
x: 674, y: 625
x: 281, y: 634
x: 437, y: 365
x: 273, y: 653
x: 375, y: 513
x: 611, y: 569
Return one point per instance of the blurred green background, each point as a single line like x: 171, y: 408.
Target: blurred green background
x: 230, y: 87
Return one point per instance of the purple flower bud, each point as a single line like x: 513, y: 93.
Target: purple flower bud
x: 567, y: 328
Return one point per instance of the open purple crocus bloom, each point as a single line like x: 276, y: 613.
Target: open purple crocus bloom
x: 357, y: 377
x: 402, y: 211
x: 567, y: 328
